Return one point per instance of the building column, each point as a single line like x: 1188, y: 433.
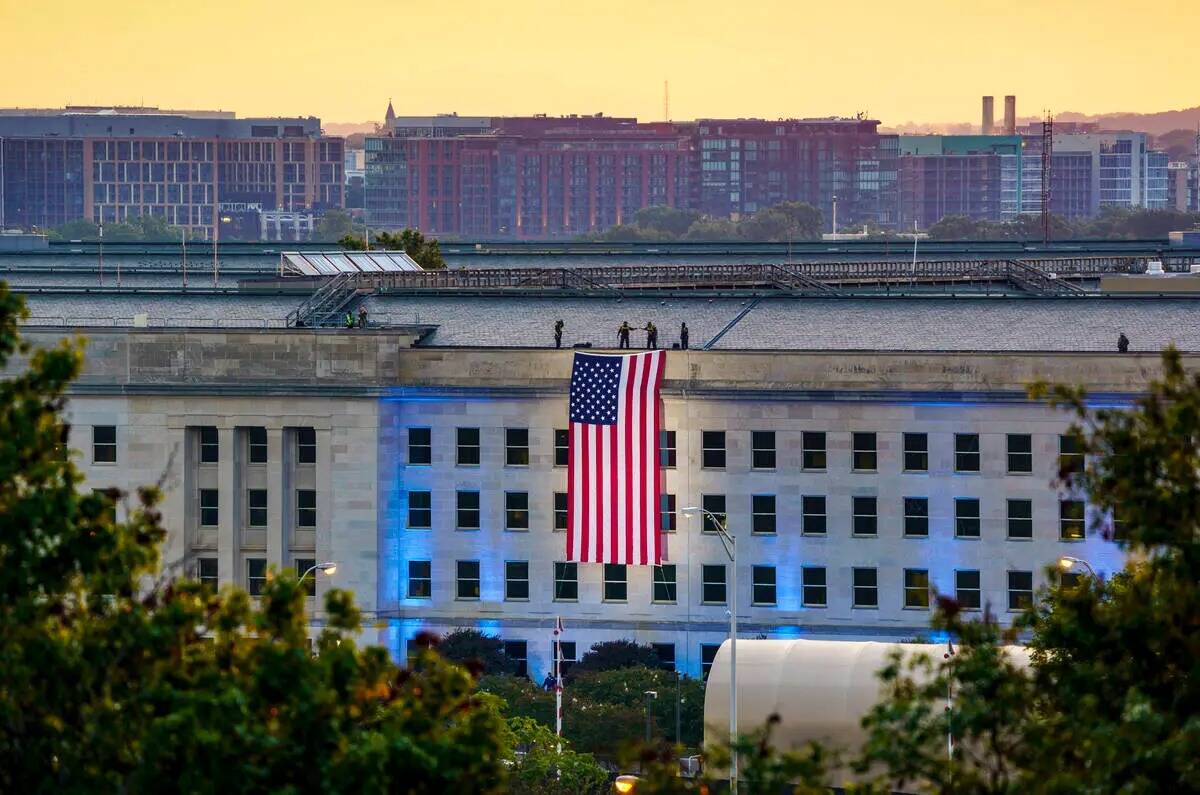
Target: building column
x: 228, y: 538
x: 277, y: 486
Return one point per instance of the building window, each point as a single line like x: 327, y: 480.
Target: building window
x: 966, y: 452
x: 420, y: 446
x: 866, y: 516
x: 306, y: 446
x: 866, y: 588
x: 516, y: 447
x: 966, y: 589
x: 256, y: 575
x: 713, y: 449
x: 516, y: 510
x: 566, y: 582
x: 518, y: 652
x: 420, y: 579
x: 813, y: 520
x: 916, y: 516
x: 210, y: 445
x: 256, y: 507
x: 1020, y: 518
x: 916, y: 588
x: 420, y: 510
x: 564, y: 652
x: 762, y: 449
x: 616, y: 583
x: 714, y: 504
x: 467, y: 447
x: 864, y: 453
x: 665, y: 590
x: 302, y: 566
x: 708, y: 653
x: 1020, y: 454
x: 916, y: 452
x: 1070, y: 520
x: 256, y: 445
x: 306, y: 508
x: 666, y: 655
x: 812, y: 453
x: 467, y: 510
x: 560, y: 510
x: 104, y: 444
x: 966, y: 517
x: 562, y: 447
x: 1020, y: 590
x: 466, y: 579
x: 813, y: 590
x: 1070, y: 454
x: 667, y: 520
x: 206, y: 572
x: 516, y: 580
x: 762, y: 585
x: 208, y: 507
x: 666, y: 449
x: 712, y: 585
x: 762, y: 513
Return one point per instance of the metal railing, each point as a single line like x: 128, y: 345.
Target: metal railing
x: 126, y: 321
x: 327, y: 302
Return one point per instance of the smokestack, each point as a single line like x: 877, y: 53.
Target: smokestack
x: 988, y: 104
x: 1010, y: 115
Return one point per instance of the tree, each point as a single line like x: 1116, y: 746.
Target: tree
x: 612, y: 654
x: 626, y: 687
x: 484, y: 653
x: 426, y: 253
x: 334, y: 225
x: 712, y: 229
x: 954, y: 227
x: 118, y: 677
x: 668, y: 222
x: 538, y: 768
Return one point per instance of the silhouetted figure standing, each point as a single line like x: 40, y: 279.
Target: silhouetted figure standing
x: 651, y: 335
x: 1123, y: 343
x: 362, y: 317
x: 683, y: 336
x: 623, y: 335
x: 558, y: 328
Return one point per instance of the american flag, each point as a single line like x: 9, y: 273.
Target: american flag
x: 613, y: 487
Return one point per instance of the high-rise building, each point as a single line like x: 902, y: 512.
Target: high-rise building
x: 112, y: 165
x: 977, y: 176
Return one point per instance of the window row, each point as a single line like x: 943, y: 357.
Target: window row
x: 207, y: 571
x: 814, y: 584
x: 864, y: 452
x: 764, y: 520
x: 104, y: 445
x: 255, y: 514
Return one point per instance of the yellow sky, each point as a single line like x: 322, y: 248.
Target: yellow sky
x: 901, y: 60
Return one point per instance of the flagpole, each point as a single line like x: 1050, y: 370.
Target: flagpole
x: 558, y: 687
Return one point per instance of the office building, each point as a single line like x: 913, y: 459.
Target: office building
x: 111, y: 165
x: 977, y: 176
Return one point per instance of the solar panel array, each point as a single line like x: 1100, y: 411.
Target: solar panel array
x: 331, y: 263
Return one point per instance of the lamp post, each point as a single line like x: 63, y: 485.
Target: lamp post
x: 650, y: 696
x: 1066, y: 563
x: 728, y: 543
x: 329, y: 567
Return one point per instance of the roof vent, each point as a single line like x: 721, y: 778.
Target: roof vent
x: 1154, y: 267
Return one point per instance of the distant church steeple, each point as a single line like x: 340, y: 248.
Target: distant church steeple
x: 390, y: 116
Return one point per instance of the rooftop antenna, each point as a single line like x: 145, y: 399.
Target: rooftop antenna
x: 183, y: 244
x: 666, y: 101
x: 216, y: 242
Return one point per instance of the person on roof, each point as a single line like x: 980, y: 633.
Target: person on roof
x: 362, y: 317
x: 683, y: 336
x: 651, y: 335
x: 349, y: 320
x: 558, y: 329
x: 623, y: 335
x: 1123, y: 343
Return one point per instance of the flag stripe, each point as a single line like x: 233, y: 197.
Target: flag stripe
x: 613, y: 475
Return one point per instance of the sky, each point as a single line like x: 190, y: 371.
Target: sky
x: 898, y: 61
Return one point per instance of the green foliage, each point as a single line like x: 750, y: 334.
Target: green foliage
x: 613, y: 654
x: 539, y: 769
x: 783, y: 222
x: 778, y: 223
x: 482, y: 653
x: 146, y: 228
x: 333, y: 226
x: 666, y: 220
x: 427, y: 253
x: 1113, y: 223
x: 522, y: 698
x: 626, y: 687
x: 116, y: 682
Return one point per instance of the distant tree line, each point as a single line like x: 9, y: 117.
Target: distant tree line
x: 146, y: 228
x: 778, y: 223
x: 1113, y: 223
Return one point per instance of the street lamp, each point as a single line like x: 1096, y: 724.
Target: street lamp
x: 650, y: 696
x: 728, y: 542
x: 329, y: 567
x: 1066, y: 563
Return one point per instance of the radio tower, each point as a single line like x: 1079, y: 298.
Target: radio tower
x: 1047, y: 150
